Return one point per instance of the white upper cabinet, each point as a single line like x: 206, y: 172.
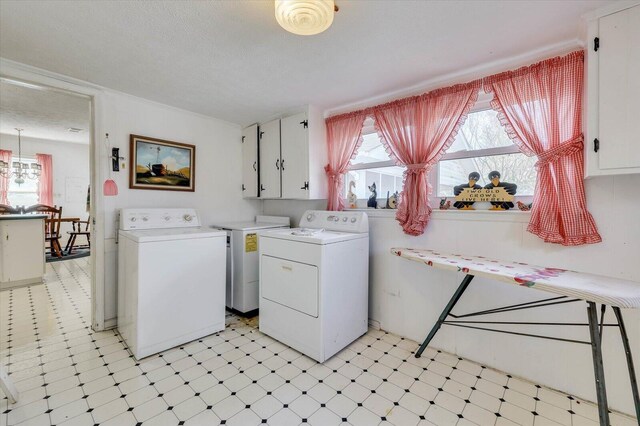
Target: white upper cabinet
x: 269, y: 144
x: 295, y: 163
x: 612, y: 145
x: 294, y: 146
x: 250, y: 162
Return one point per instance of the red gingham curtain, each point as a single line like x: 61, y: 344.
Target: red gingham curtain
x: 5, y: 155
x: 416, y: 132
x: 344, y: 137
x: 540, y: 107
x: 45, y: 183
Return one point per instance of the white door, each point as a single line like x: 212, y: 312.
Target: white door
x: 295, y: 156
x: 619, y: 84
x: 291, y: 284
x: 250, y: 162
x: 270, y: 159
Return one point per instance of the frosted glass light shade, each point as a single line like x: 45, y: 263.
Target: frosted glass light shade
x: 305, y: 17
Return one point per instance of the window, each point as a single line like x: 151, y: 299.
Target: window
x: 481, y: 146
x: 373, y: 164
x: 25, y: 194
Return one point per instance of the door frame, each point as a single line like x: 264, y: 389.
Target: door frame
x: 28, y: 74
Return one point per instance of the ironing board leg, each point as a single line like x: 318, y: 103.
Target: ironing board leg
x: 443, y: 316
x: 596, y: 352
x: 627, y: 351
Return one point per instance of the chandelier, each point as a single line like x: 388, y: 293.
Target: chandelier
x: 21, y: 171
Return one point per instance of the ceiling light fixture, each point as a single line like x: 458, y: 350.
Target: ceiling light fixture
x: 305, y: 17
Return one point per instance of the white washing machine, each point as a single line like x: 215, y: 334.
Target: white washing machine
x: 314, y: 282
x: 171, y: 279
x: 242, y: 260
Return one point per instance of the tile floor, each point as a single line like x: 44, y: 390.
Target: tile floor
x: 69, y: 375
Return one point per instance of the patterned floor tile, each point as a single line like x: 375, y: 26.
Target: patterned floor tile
x: 69, y: 375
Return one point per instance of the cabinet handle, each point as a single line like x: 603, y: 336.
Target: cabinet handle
x: 282, y: 164
x: 262, y: 188
x: 305, y: 186
x: 278, y: 164
x: 254, y: 167
x: 596, y: 145
x: 243, y: 187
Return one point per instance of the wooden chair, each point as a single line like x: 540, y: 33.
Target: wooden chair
x: 51, y: 225
x: 5, y: 209
x: 78, y: 230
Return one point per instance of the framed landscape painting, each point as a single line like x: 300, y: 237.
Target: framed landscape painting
x: 160, y: 164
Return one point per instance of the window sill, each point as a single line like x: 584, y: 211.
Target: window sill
x: 514, y: 215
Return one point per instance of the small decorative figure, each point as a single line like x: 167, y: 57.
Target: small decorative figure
x: 373, y: 202
x: 474, y: 177
x: 444, y: 204
x: 393, y: 201
x: 524, y: 207
x: 511, y: 188
x: 352, y: 198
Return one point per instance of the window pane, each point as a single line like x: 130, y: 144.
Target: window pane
x: 481, y: 130
x: 371, y: 150
x: 25, y: 194
x: 385, y: 178
x: 513, y: 168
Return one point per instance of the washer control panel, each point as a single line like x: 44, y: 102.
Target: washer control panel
x: 154, y: 218
x: 344, y: 221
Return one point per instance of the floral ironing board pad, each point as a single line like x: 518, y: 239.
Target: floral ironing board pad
x: 592, y: 288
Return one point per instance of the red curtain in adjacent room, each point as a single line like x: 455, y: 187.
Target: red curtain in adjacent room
x: 5, y: 155
x: 45, y: 183
x: 416, y: 132
x: 344, y: 136
x: 540, y: 107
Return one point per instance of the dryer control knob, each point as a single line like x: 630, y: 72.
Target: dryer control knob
x: 144, y: 218
x: 133, y: 219
x: 167, y: 218
x: 187, y: 217
x: 344, y: 219
x: 310, y: 217
x: 353, y: 220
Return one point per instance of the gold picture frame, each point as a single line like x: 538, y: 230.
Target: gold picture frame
x: 159, y: 164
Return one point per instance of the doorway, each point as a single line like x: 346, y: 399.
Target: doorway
x: 46, y: 142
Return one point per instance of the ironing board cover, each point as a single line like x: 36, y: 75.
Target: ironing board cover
x: 592, y: 288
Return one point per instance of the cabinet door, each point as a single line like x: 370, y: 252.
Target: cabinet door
x: 270, y: 159
x: 22, y: 249
x: 250, y: 161
x: 619, y: 89
x: 295, y: 156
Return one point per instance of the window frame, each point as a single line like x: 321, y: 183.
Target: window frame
x: 482, y: 104
x: 23, y: 159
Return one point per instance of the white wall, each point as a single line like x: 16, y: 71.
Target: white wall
x: 218, y: 180
x: 70, y: 167
x: 406, y: 298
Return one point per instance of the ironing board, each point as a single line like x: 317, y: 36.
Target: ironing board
x: 568, y: 286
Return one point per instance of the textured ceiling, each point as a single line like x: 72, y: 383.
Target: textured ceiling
x: 230, y: 59
x: 43, y: 114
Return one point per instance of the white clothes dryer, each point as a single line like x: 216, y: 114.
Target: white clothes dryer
x: 314, y: 282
